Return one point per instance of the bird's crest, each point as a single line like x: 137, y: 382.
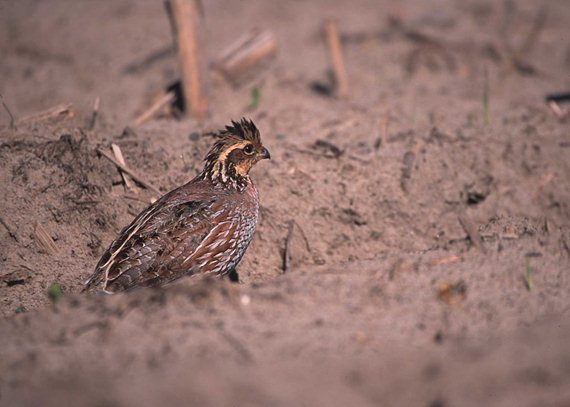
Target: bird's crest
x: 244, y: 129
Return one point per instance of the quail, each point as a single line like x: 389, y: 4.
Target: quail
x: 204, y: 226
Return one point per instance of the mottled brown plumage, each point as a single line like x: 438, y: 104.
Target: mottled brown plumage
x: 203, y: 226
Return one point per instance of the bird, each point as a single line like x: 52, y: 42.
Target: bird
x: 202, y: 227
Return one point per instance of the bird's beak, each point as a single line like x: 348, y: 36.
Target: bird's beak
x: 265, y: 153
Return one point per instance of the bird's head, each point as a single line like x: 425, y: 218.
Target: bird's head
x: 236, y: 151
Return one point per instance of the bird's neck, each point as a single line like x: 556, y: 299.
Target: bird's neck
x: 224, y: 174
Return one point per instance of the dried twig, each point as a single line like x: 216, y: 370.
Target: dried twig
x: 12, y: 120
x: 133, y: 174
x: 51, y: 113
x: 471, y: 231
x: 247, y: 52
x: 336, y: 58
x: 287, y: 250
x: 10, y: 232
x: 119, y: 156
x: 44, y: 239
x: 304, y: 237
x: 163, y: 101
x: 185, y: 19
x: 95, y: 113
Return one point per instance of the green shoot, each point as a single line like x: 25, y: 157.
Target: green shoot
x: 54, y: 291
x: 255, y: 98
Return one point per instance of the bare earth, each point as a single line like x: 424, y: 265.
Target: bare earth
x: 387, y: 301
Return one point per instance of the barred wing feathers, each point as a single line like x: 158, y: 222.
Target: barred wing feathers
x: 153, y: 249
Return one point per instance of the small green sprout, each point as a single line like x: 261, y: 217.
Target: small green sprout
x: 255, y: 98
x: 54, y: 291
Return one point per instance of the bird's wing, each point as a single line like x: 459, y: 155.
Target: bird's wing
x: 155, y: 240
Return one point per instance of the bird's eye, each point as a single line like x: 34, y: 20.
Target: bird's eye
x: 248, y: 149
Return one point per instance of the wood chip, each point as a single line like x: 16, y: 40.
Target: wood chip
x: 44, y: 240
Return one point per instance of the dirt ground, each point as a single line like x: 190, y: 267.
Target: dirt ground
x: 390, y: 298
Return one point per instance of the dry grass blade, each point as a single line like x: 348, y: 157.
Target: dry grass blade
x: 10, y: 231
x: 133, y: 174
x: 62, y: 110
x: 160, y: 103
x: 119, y: 156
x: 95, y: 113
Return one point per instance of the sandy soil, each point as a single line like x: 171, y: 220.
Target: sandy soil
x: 387, y: 300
